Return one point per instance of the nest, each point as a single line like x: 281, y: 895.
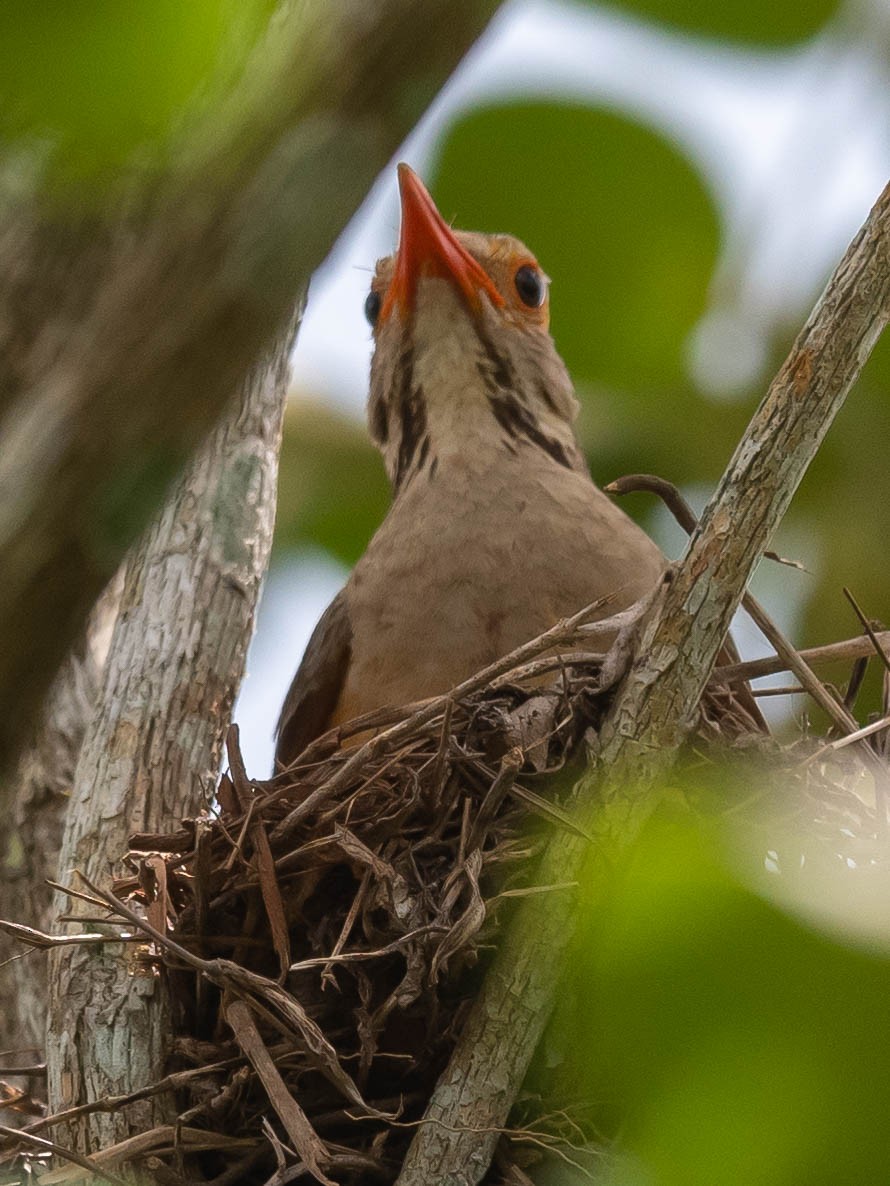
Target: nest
x: 352, y: 903
x: 325, y: 933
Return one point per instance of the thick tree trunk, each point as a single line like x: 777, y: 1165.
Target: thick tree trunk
x: 124, y: 331
x: 41, y: 788
x: 152, y: 752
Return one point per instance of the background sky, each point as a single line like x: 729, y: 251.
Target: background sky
x: 791, y: 143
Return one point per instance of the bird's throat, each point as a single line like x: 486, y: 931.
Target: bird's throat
x: 451, y: 389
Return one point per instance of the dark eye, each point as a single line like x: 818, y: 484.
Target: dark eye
x: 372, y: 306
x: 530, y: 285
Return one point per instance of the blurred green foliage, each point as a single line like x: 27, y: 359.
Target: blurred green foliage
x: 730, y: 1040
x: 98, y: 79
x: 755, y: 22
x: 332, y: 487
x: 580, y: 187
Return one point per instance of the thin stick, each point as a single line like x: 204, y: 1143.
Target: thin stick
x: 309, y: 1146
x: 548, y: 663
x: 46, y: 1146
x: 685, y: 516
x: 850, y: 648
x: 40, y: 939
x: 563, y: 631
x: 798, y: 666
x: 841, y: 742
x: 868, y: 628
x: 113, y: 1103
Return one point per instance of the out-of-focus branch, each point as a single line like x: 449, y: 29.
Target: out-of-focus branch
x: 655, y: 707
x: 125, y: 329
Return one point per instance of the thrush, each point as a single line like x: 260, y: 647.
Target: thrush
x: 496, y: 528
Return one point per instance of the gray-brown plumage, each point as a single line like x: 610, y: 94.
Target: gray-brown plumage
x: 496, y: 529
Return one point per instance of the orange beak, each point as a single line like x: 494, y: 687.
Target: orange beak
x: 428, y: 247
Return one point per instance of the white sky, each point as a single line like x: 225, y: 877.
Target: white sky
x: 795, y: 145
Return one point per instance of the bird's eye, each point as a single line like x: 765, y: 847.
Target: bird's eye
x: 531, y: 286
x: 372, y: 307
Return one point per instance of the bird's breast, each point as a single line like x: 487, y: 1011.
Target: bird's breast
x: 469, y: 565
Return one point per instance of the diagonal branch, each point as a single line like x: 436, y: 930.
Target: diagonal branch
x: 794, y: 662
x: 655, y: 707
x: 125, y: 328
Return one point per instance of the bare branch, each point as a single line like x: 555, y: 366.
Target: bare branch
x: 833, y: 652
x: 45, y: 1146
x: 305, y: 1140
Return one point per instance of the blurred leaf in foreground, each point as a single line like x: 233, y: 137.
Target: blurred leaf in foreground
x: 100, y: 78
x: 754, y: 22
x: 738, y: 1039
x: 332, y: 488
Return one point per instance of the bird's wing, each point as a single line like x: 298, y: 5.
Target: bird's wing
x: 316, y: 687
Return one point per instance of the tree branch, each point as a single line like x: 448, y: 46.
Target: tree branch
x: 39, y: 793
x: 834, y: 652
x: 655, y: 708
x: 152, y: 751
x: 125, y: 329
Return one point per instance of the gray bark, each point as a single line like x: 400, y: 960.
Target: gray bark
x: 654, y: 709
x: 125, y: 330
x: 41, y: 788
x: 152, y: 752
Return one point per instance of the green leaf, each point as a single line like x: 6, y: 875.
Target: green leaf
x: 626, y: 229
x: 99, y: 78
x: 738, y: 1043
x: 617, y: 217
x: 754, y: 22
x: 332, y: 488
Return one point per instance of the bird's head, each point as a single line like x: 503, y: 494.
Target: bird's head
x: 463, y: 357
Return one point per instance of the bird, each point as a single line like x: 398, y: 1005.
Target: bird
x: 496, y: 529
